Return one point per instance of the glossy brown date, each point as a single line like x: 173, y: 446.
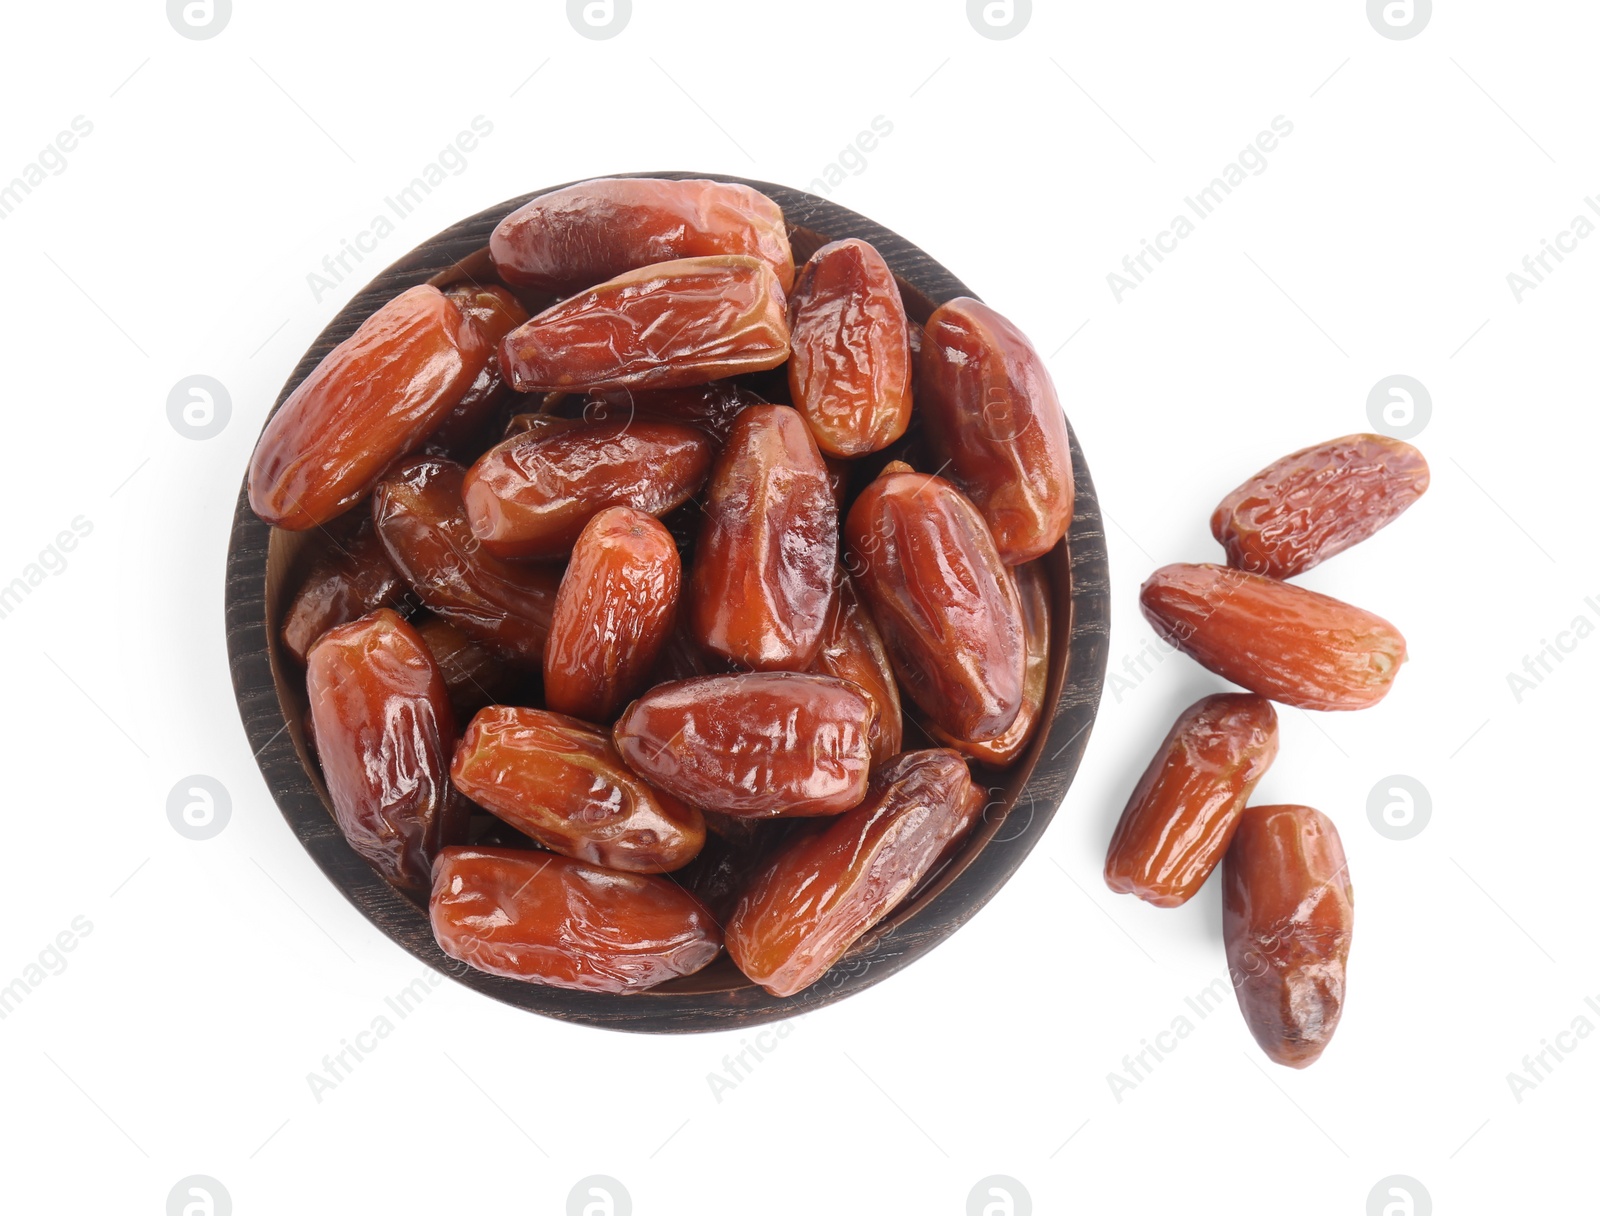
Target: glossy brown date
x: 617, y: 603
x: 758, y: 744
x: 823, y: 893
x: 762, y: 580
x: 991, y: 411
x: 531, y: 495
x: 376, y: 396
x: 1182, y: 814
x: 665, y: 326
x: 352, y: 580
x: 561, y: 782
x: 1277, y: 639
x: 472, y: 673
x: 384, y: 729
x: 853, y: 650
x: 943, y: 600
x: 850, y: 371
x: 712, y: 407
x: 418, y: 513
x: 1033, y: 590
x: 1288, y: 911
x: 577, y: 236
x: 548, y: 919
x: 1317, y: 502
x: 495, y: 312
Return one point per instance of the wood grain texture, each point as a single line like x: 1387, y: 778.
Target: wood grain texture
x: 1023, y: 798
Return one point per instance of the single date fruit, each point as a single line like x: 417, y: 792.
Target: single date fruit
x: 1277, y: 639
x: 762, y: 581
x: 665, y: 326
x: 472, y: 673
x: 853, y: 650
x: 1182, y: 815
x: 495, y: 312
x: 549, y: 919
x: 991, y: 412
x: 561, y: 782
x: 383, y: 726
x: 617, y: 603
x: 823, y: 893
x: 1287, y: 915
x: 850, y: 371
x: 1301, y: 510
x: 712, y: 407
x: 757, y: 744
x: 351, y: 580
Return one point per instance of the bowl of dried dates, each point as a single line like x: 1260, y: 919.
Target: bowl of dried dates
x: 666, y: 603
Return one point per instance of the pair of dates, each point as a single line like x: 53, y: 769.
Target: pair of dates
x: 630, y: 550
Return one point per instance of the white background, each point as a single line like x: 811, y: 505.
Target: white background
x: 178, y: 239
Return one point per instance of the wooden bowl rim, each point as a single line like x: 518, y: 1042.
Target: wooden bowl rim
x: 1003, y: 840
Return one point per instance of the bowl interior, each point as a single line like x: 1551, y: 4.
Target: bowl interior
x: 267, y: 564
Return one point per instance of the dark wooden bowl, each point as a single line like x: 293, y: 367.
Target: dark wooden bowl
x: 263, y: 565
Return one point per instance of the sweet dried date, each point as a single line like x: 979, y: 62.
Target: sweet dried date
x: 352, y: 580
x: 381, y: 717
x: 762, y: 580
x: 664, y: 326
x: 376, y: 396
x: 757, y: 744
x: 823, y: 893
x: 1287, y: 915
x: 853, y: 650
x: 562, y: 783
x: 472, y: 673
x: 991, y: 412
x: 617, y: 603
x: 418, y: 513
x: 531, y: 495
x: 577, y: 236
x: 946, y: 605
x: 712, y: 407
x: 549, y: 919
x: 1183, y: 812
x: 850, y: 371
x: 1277, y: 639
x: 1303, y: 509
x: 495, y: 312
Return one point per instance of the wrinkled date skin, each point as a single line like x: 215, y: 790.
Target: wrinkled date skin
x: 712, y: 407
x: 763, y: 567
x: 418, y: 513
x: 850, y: 371
x: 1182, y: 815
x: 549, y: 919
x: 384, y: 728
x: 1292, y: 645
x: 474, y: 676
x: 495, y: 312
x: 530, y: 496
x: 664, y: 326
x: 617, y: 603
x: 578, y: 236
x: 1317, y: 502
x: 757, y: 744
x: 946, y: 605
x: 562, y: 783
x: 1033, y: 589
x: 351, y: 581
x: 821, y: 894
x: 990, y: 409
x: 1287, y: 916
x: 375, y: 397
x: 853, y: 650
